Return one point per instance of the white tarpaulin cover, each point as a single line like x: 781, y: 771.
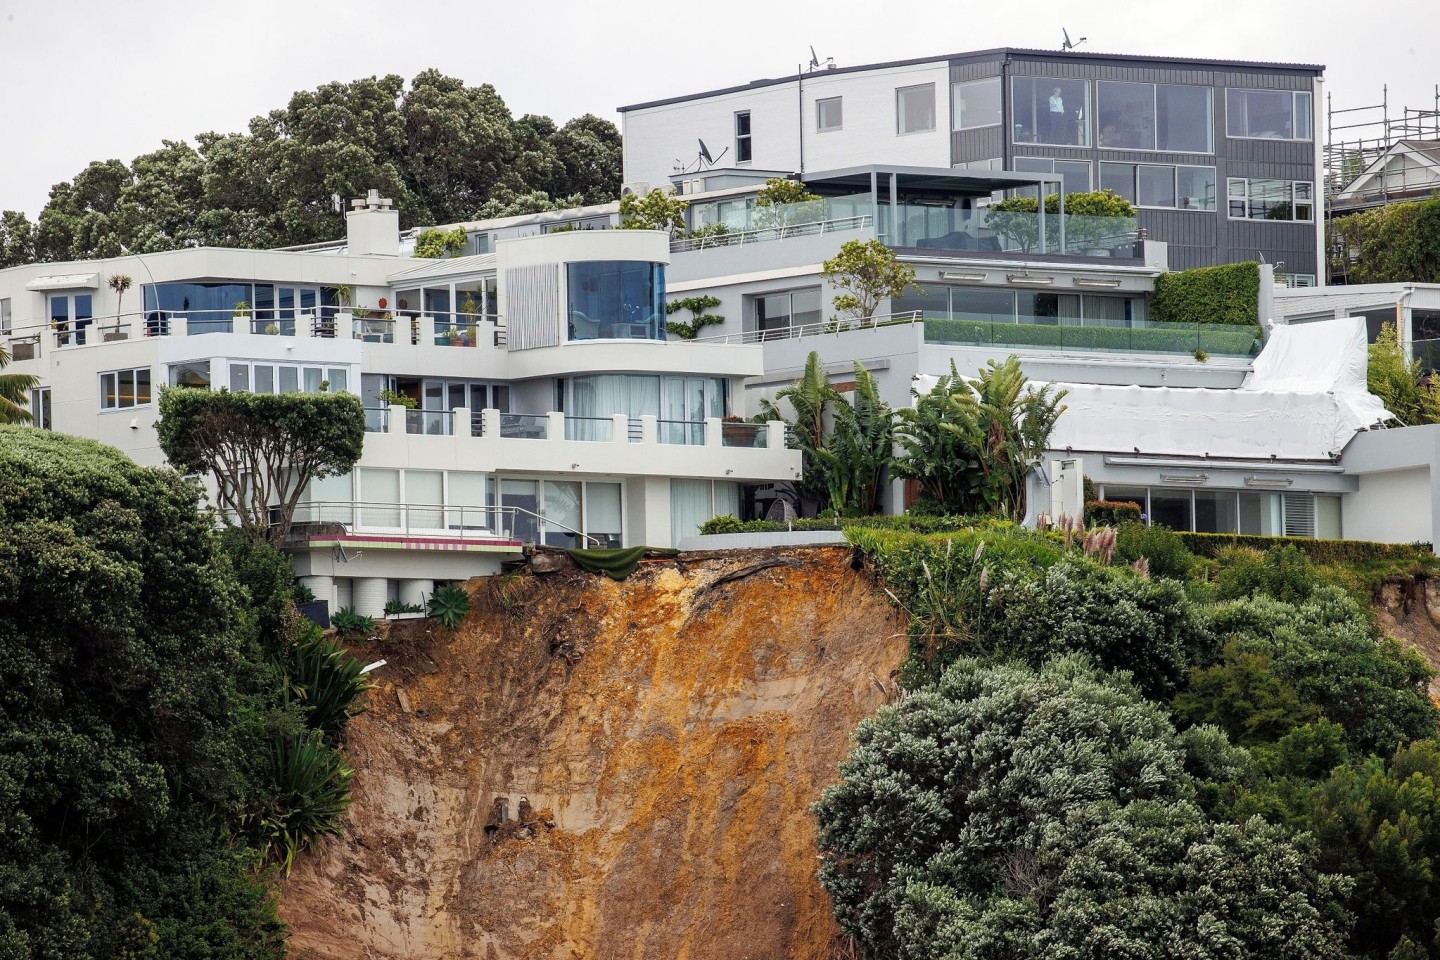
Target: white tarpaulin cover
x: 1304, y: 400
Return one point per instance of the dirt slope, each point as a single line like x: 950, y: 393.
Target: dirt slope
x: 652, y: 748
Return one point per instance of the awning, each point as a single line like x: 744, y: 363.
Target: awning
x: 66, y: 281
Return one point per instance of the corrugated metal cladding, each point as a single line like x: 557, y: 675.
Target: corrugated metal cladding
x: 974, y: 71
x: 984, y: 143
x: 1195, y: 239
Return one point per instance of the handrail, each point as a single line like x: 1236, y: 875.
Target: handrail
x: 815, y: 329
x: 777, y: 232
x: 445, y: 512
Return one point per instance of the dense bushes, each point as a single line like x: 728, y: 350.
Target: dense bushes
x: 1111, y: 513
x: 1320, y: 551
x: 146, y: 679
x: 913, y: 522
x: 1227, y: 294
x: 1009, y: 812
x: 1396, y: 243
x: 1255, y: 649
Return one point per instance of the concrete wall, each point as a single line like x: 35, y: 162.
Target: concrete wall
x: 782, y: 114
x: 1391, y: 507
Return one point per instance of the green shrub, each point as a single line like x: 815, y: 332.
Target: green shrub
x: 448, y: 605
x: 301, y: 593
x: 311, y: 789
x: 725, y: 523
x: 1282, y: 572
x: 348, y: 623
x: 1122, y: 622
x: 1332, y: 654
x: 1111, y: 513
x: 395, y: 607
x: 1227, y: 294
x: 1162, y: 549
x: 1320, y: 551
x: 326, y: 683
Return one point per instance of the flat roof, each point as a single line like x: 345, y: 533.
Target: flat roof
x: 992, y: 54
x: 936, y: 177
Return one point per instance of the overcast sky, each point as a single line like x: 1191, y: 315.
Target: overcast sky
x: 84, y: 80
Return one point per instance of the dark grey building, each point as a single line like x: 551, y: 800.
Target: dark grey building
x: 1220, y: 156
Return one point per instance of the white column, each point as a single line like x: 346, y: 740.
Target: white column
x: 323, y: 588
x: 370, y: 596
x: 344, y: 593
x: 416, y: 592
x: 620, y: 428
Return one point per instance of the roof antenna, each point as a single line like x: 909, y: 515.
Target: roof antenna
x: 1068, y: 45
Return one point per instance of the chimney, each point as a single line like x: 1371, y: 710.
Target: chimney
x: 372, y: 227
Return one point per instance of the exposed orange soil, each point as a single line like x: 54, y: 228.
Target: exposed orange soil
x: 656, y: 745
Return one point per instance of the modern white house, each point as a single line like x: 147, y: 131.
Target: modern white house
x: 548, y: 405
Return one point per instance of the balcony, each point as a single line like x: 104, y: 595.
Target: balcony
x: 1145, y: 337
x: 555, y: 442
x: 453, y: 330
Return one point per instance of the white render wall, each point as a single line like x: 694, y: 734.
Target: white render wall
x: 656, y: 137
x: 1391, y: 507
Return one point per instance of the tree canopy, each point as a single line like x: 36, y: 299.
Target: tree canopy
x: 442, y: 149
x: 262, y: 449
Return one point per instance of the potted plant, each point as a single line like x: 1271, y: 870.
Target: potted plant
x: 393, y: 399
x: 241, y: 310
x: 272, y: 329
x: 118, y: 282
x: 737, y: 431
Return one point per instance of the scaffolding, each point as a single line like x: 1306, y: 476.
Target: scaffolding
x: 1357, y: 136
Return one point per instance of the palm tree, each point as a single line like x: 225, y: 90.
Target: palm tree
x: 14, y: 392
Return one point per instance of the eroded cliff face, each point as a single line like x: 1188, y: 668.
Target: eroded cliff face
x: 597, y: 769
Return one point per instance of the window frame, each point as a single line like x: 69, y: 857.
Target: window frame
x: 820, y: 104
x: 111, y: 381
x: 1084, y: 124
x: 1231, y: 197
x: 1174, y: 168
x: 1155, y: 118
x: 744, y: 142
x: 955, y: 119
x: 900, y: 113
x: 1294, y: 113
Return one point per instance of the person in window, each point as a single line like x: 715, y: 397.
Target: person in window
x: 1057, y: 117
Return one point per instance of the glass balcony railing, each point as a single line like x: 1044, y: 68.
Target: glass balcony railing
x: 939, y: 227
x: 1211, y: 338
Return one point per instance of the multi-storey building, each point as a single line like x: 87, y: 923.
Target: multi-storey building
x: 548, y: 406
x: 1221, y: 157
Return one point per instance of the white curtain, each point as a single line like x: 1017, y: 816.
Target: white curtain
x: 466, y: 501
x: 423, y: 499
x: 602, y: 513
x: 603, y: 396
x: 691, y: 504
x: 1104, y: 311
x: 380, y: 487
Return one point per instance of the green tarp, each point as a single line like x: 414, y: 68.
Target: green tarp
x: 616, y: 564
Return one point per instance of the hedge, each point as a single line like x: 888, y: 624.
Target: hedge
x: 1321, y: 551
x: 909, y: 523
x: 1227, y: 294
x: 1111, y: 512
x: 1239, y: 341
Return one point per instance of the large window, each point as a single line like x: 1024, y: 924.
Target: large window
x: 1049, y: 110
x: 223, y: 306
x: 1154, y: 116
x: 742, y: 137
x: 285, y: 378
x: 1161, y: 185
x: 975, y: 104
x: 1233, y: 511
x: 829, y: 114
x: 777, y: 313
x: 1268, y: 114
x: 5, y: 316
x: 563, y: 513
x: 915, y: 108
x: 1285, y: 200
x: 124, y: 389
x: 616, y: 299
x: 1024, y: 306
x: 692, y: 502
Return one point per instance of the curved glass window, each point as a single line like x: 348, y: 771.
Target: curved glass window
x: 616, y: 300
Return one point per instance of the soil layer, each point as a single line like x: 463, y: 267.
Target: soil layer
x: 596, y: 769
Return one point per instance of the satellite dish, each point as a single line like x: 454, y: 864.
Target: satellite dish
x: 814, y: 58
x: 705, y: 153
x: 1068, y: 45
